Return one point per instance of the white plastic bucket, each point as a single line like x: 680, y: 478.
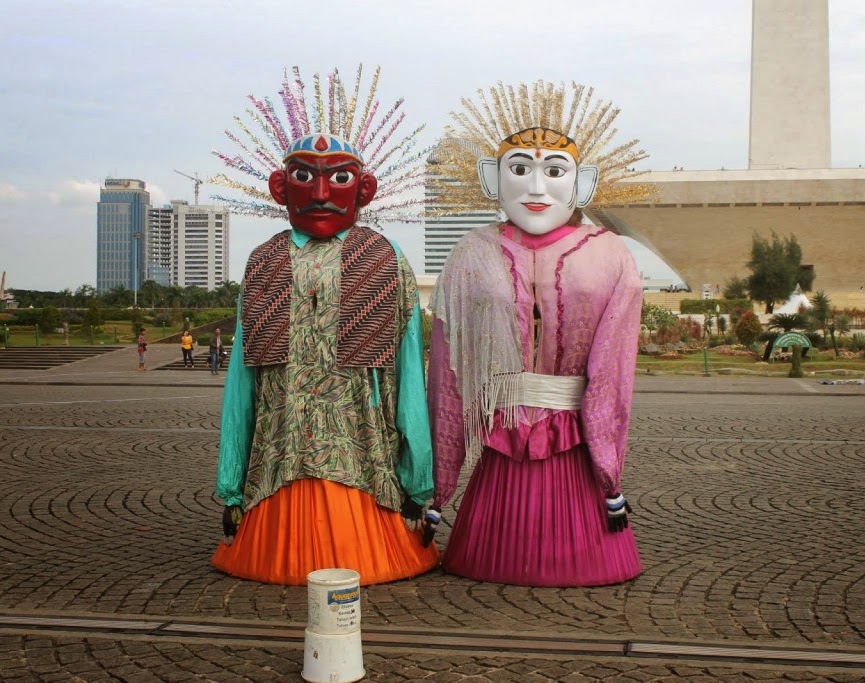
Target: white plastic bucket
x: 332, y: 659
x: 334, y: 601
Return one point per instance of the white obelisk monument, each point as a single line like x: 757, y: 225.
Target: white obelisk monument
x: 790, y: 85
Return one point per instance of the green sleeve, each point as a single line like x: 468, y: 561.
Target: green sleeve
x: 238, y: 423
x: 412, y: 419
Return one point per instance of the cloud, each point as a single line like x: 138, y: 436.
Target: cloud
x: 9, y: 192
x: 158, y: 196
x: 74, y: 193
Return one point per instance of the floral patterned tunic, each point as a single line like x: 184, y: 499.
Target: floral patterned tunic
x: 311, y: 418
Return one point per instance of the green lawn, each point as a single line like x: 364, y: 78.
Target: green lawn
x: 818, y: 361
x: 112, y: 332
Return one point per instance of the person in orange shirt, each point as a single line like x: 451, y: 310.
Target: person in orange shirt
x: 186, y: 347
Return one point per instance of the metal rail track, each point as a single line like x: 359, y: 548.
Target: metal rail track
x: 500, y: 643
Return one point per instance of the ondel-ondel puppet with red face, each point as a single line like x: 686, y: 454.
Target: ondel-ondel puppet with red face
x: 323, y: 185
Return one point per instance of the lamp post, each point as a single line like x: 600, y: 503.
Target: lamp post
x: 136, y: 237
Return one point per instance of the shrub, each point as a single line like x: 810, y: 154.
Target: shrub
x: 93, y: 316
x: 816, y: 339
x: 162, y: 318
x: 26, y: 316
x: 74, y: 316
x: 50, y: 319
x: 748, y: 329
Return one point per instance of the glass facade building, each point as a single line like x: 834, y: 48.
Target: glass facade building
x: 121, y: 232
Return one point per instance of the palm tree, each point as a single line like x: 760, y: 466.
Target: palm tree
x: 821, y: 310
x: 843, y: 324
x: 787, y: 321
x: 151, y: 292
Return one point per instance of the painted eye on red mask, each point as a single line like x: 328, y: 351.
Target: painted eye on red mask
x: 342, y: 177
x: 302, y: 175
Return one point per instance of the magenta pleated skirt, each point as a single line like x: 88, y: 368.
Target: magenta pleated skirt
x: 538, y: 523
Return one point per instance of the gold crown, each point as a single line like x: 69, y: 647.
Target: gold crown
x: 539, y: 138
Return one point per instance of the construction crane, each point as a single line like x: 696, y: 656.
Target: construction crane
x: 196, y: 181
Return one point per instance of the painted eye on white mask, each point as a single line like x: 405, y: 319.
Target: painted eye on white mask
x: 301, y: 175
x: 342, y: 177
x: 520, y: 169
x: 555, y: 171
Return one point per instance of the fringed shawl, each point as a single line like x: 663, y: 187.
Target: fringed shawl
x: 474, y: 299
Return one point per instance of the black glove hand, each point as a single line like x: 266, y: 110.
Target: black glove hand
x: 430, y: 524
x: 231, y: 516
x: 411, y: 511
x: 617, y: 513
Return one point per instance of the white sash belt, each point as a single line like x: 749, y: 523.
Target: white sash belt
x: 545, y: 391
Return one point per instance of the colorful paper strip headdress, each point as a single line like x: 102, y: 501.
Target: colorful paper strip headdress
x: 355, y: 116
x: 485, y: 123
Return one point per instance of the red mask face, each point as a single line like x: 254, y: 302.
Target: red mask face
x: 323, y: 193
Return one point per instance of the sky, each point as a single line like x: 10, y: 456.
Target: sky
x: 131, y: 89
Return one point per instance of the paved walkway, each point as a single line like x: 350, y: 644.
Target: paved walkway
x: 749, y: 501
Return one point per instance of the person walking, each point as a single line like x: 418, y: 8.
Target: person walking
x: 186, y: 348
x: 142, y: 350
x: 216, y: 351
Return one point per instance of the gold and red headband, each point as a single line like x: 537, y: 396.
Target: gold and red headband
x: 538, y: 139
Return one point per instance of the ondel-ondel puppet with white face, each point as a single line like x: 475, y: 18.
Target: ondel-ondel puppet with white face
x: 537, y: 179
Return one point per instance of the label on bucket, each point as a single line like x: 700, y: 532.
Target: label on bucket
x: 344, y: 605
x: 343, y: 596
x: 334, y: 602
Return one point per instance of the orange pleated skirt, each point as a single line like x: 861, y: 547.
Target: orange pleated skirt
x: 316, y: 524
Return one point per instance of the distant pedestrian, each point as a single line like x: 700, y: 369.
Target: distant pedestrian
x: 216, y: 351
x: 142, y: 350
x: 186, y: 348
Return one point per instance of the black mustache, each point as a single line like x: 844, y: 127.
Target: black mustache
x: 322, y: 206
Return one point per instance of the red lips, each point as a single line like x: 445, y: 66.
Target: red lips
x: 533, y: 206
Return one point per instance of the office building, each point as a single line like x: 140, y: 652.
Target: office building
x: 160, y: 227
x: 199, y: 245
x: 121, y: 221
x: 176, y: 244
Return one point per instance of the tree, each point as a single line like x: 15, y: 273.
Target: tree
x: 657, y: 317
x: 195, y: 297
x: 50, y: 319
x: 84, y: 294
x: 93, y: 317
x: 787, y: 321
x: 843, y: 323
x: 748, y: 328
x: 736, y: 288
x: 118, y: 296
x: 225, y: 296
x: 776, y: 268
x: 151, y: 294
x: 821, y: 310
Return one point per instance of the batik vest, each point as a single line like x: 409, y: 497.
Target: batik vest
x: 367, y: 309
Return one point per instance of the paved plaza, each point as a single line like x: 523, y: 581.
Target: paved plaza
x: 749, y: 511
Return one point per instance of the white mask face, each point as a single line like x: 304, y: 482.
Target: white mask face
x: 538, y: 188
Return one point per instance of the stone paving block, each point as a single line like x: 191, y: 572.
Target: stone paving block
x: 102, y: 515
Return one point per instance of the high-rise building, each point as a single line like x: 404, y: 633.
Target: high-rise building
x: 160, y: 227
x: 177, y: 244
x: 199, y: 245
x: 441, y: 233
x: 121, y: 222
